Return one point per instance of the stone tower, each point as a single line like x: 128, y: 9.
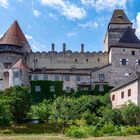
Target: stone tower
x: 116, y: 28
x: 19, y: 74
x: 13, y: 47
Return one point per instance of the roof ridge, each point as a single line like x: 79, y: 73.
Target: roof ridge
x: 21, y: 64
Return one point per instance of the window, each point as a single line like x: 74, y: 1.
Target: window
x: 77, y: 77
x: 45, y: 77
x: 101, y: 77
x: 67, y: 78
x: 52, y: 88
x: 138, y: 62
x: 68, y: 89
x: 129, y: 92
x: 133, y: 52
x: 122, y: 94
x: 16, y: 74
x: 86, y: 60
x: 35, y: 77
x: 7, y: 65
x: 37, y: 88
x: 113, y: 97
x: 123, y: 50
x: 126, y: 74
x: 75, y: 60
x: 101, y: 88
x: 124, y: 61
x: 56, y: 77
x: 98, y: 59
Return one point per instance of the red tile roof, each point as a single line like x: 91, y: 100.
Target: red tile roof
x: 14, y: 36
x: 20, y: 64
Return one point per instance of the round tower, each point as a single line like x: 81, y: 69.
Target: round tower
x: 13, y: 47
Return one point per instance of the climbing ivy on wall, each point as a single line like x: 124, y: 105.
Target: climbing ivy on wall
x: 47, y: 89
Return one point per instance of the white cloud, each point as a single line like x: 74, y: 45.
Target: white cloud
x: 105, y: 4
x: 65, y: 8
x: 4, y: 3
x: 36, y: 13
x: 90, y: 24
x: 36, y: 46
x: 137, y: 24
x: 72, y: 34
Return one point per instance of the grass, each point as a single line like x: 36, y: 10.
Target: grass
x: 31, y: 129
x: 60, y: 137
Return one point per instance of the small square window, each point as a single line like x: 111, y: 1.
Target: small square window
x: 67, y: 78
x: 101, y: 77
x: 37, y: 88
x: 123, y: 61
x: 122, y: 94
x: 52, y: 88
x: 113, y: 97
x: 16, y: 74
x: 129, y: 92
x: 45, y: 77
x: 133, y: 52
x: 77, y: 77
x: 35, y: 77
x: 56, y: 77
x: 68, y: 89
x: 101, y: 88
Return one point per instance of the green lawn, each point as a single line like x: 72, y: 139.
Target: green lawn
x: 60, y: 137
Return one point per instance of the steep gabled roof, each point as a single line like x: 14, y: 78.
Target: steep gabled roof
x: 119, y: 17
x: 21, y: 65
x: 14, y: 36
x: 128, y: 40
x: 129, y: 37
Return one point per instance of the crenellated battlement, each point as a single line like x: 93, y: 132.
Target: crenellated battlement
x: 67, y: 58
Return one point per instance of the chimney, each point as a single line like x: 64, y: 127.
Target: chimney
x: 82, y: 47
x: 64, y: 47
x: 53, y: 47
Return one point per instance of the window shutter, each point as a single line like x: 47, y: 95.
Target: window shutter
x: 120, y: 61
x: 127, y: 60
x: 136, y: 61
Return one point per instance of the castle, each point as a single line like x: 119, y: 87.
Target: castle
x: 121, y: 58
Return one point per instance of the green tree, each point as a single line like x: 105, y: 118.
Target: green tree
x: 19, y: 100
x: 5, y: 113
x: 131, y: 114
x: 40, y: 111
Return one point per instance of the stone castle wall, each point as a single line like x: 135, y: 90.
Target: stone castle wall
x: 67, y: 59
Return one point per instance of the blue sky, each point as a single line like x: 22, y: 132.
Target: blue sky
x: 65, y: 21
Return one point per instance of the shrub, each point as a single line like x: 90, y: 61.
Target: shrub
x: 131, y: 114
x: 108, y: 129
x: 77, y: 132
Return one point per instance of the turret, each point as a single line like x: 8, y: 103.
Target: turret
x: 13, y: 46
x: 116, y: 28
